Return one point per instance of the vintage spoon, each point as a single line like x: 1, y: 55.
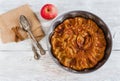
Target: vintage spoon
x: 36, y: 55
x: 26, y: 27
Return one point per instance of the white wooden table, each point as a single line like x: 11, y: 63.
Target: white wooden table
x: 16, y: 59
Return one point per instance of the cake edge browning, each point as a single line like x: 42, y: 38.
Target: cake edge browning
x: 78, y: 43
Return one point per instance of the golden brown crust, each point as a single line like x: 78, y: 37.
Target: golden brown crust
x: 78, y: 43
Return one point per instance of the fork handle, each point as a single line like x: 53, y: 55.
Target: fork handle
x: 36, y: 55
x: 42, y: 51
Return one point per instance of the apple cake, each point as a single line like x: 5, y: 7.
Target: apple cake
x: 78, y: 43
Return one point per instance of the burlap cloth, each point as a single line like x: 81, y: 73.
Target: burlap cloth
x: 10, y: 30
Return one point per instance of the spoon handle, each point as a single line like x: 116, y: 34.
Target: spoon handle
x: 42, y: 51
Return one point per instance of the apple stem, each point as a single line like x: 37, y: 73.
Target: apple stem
x: 48, y: 10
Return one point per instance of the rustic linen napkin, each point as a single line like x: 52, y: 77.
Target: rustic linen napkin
x: 10, y: 30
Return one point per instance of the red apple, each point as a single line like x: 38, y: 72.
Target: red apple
x: 49, y: 11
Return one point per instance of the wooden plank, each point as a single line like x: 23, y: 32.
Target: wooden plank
x: 108, y: 10
x: 20, y: 66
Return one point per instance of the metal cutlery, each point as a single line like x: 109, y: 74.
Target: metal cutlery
x: 25, y: 25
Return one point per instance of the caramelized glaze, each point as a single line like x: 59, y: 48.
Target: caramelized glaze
x: 78, y: 43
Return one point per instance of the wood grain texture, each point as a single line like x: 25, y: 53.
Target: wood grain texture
x: 16, y: 59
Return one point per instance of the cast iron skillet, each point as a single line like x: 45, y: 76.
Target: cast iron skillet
x: 87, y: 15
